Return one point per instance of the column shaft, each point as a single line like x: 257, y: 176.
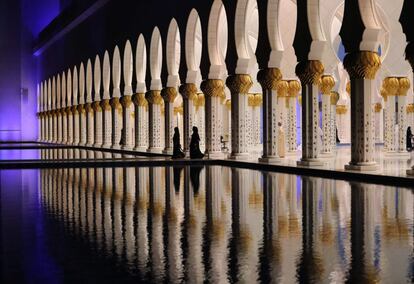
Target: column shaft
x: 107, y: 123
x: 75, y: 116
x: 310, y: 73
x: 97, y: 111
x: 116, y: 122
x: 269, y: 78
x: 90, y: 132
x: 127, y: 123
x: 82, y: 125
x: 141, y: 134
x: 168, y: 94
x: 154, y: 118
x: 362, y: 67
x: 239, y: 86
x: 189, y: 93
x: 214, y: 92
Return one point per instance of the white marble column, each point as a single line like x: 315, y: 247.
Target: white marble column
x: 189, y: 93
x: 269, y: 80
x: 168, y: 94
x: 154, y: 118
x: 362, y: 67
x: 90, y: 124
x: 59, y: 112
x: 107, y: 123
x: 404, y: 86
x: 97, y: 113
x: 309, y: 73
x: 127, y: 113
x: 391, y: 86
x: 293, y: 91
x: 200, y: 108
x: 334, y: 101
x: 327, y: 83
x: 239, y: 86
x: 213, y: 90
x: 116, y: 114
x: 256, y: 103
x: 141, y: 133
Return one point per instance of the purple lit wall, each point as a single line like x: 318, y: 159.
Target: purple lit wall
x: 20, y: 23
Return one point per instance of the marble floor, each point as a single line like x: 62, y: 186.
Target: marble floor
x: 390, y: 164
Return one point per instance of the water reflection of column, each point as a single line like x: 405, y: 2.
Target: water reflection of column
x: 83, y: 188
x: 117, y: 211
x: 193, y: 231
x: 310, y: 264
x: 90, y: 188
x: 173, y: 214
x: 142, y: 219
x: 271, y: 252
x: 98, y: 205
x: 70, y: 198
x: 244, y: 198
x: 217, y: 232
x: 156, y: 236
x: 129, y: 204
x: 107, y: 214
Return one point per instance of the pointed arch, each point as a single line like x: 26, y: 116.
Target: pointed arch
x: 141, y: 64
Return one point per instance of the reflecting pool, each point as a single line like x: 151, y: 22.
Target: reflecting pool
x: 201, y: 224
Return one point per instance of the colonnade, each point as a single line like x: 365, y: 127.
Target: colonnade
x: 143, y: 119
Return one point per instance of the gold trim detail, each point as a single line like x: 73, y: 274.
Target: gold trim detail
x: 154, y: 97
x: 362, y: 64
x: 239, y: 83
x: 188, y: 91
x: 294, y: 88
x: 169, y: 94
x: 309, y: 72
x: 341, y: 109
x: 377, y: 107
x: 282, y: 88
x: 139, y: 100
x: 391, y: 85
x: 213, y: 88
x: 269, y: 77
x: 96, y: 106
x: 126, y: 101
x: 327, y: 83
x: 334, y: 98
x: 404, y: 86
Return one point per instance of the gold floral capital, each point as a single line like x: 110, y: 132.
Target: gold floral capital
x: 327, y: 83
x: 96, y: 106
x: 154, y: 97
x: 213, y: 88
x: 269, y: 77
x: 126, y: 101
x: 81, y: 108
x: 294, y: 88
x: 362, y: 64
x: 169, y: 94
x: 282, y: 88
x: 139, y: 100
x: 404, y: 86
x: 391, y: 85
x: 88, y: 107
x: 188, y: 91
x: 115, y: 103
x: 239, y: 83
x: 384, y: 94
x: 410, y: 108
x: 68, y: 110
x: 334, y: 98
x: 228, y: 104
x: 199, y: 101
x: 309, y: 72
x: 106, y: 106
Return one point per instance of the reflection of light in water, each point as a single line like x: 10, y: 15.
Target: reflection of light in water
x: 138, y: 219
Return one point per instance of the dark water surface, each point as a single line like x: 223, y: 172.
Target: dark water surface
x: 198, y: 224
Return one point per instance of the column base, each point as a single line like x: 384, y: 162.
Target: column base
x: 167, y: 151
x: 292, y: 153
x: 215, y: 155
x: 106, y: 146
x: 310, y: 163
x: 270, y: 160
x: 127, y: 147
x: 327, y: 155
x: 154, y: 150
x: 362, y: 167
x: 140, y: 149
x: 116, y: 146
x: 239, y: 156
x: 410, y: 172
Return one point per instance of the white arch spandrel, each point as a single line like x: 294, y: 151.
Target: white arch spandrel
x: 173, y: 54
x: 193, y: 48
x: 116, y: 73
x: 74, y: 86
x: 65, y: 100
x: 54, y: 98
x: 58, y: 93
x: 97, y: 75
x: 106, y: 76
x: 89, y: 81
x: 246, y: 31
x: 128, y: 68
x: 71, y: 100
x: 156, y: 60
x: 217, y: 40
x: 81, y: 79
x: 141, y: 64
